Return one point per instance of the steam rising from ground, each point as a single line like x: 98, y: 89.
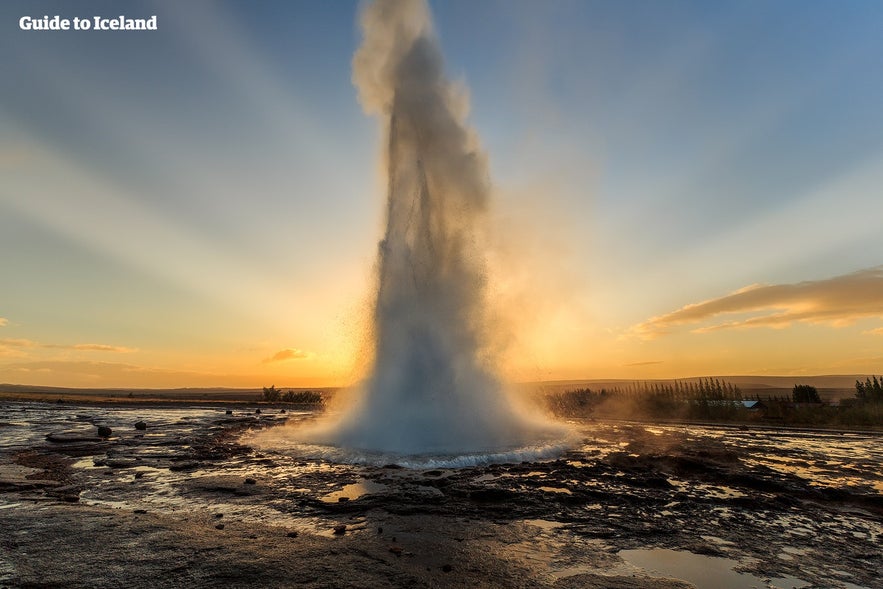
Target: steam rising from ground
x: 432, y: 389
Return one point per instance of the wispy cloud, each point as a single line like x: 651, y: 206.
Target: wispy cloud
x: 3, y: 321
x: 645, y: 363
x: 835, y: 301
x: 26, y: 343
x: 287, y: 354
x: 878, y: 331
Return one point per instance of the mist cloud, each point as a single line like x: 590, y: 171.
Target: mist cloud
x: 836, y: 301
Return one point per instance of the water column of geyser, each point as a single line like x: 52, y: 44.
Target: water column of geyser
x: 432, y: 388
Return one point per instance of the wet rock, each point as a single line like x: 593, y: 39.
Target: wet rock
x: 140, y: 425
x: 491, y: 495
x: 71, y: 437
x: 104, y: 431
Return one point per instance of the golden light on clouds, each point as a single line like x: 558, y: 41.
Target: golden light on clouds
x: 26, y: 343
x: 836, y: 301
x: 287, y: 354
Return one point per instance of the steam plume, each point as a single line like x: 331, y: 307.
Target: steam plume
x: 433, y: 387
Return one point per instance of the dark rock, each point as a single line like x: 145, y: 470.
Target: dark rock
x: 397, y: 550
x: 71, y: 498
x: 343, y: 499
x: 104, y: 431
x: 71, y: 438
x: 140, y: 425
x: 340, y: 529
x: 379, y: 530
x: 283, y: 411
x: 139, y: 475
x: 250, y: 482
x: 257, y: 411
x: 219, y: 515
x: 229, y: 412
x: 140, y: 511
x: 219, y: 526
x: 447, y: 568
x: 491, y: 495
x: 291, y: 535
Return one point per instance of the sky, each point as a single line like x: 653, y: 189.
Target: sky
x: 681, y: 188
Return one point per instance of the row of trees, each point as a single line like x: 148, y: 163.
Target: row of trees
x: 869, y: 391
x: 704, y: 388
x: 699, y: 399
x: 274, y: 395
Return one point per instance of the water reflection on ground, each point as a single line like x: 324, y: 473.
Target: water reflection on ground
x: 764, y: 507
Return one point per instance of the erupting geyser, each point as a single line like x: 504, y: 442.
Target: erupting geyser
x: 432, y: 388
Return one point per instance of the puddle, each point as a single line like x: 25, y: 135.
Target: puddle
x: 705, y: 572
x: 556, y: 490
x: 544, y: 524
x: 354, y: 491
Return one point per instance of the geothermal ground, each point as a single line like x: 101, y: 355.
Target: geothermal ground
x: 185, y: 502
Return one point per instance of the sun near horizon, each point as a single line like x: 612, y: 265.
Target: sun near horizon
x: 678, y: 191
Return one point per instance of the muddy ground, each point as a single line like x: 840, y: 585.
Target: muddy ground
x: 185, y: 502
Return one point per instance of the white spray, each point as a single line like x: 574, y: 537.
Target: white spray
x: 432, y: 388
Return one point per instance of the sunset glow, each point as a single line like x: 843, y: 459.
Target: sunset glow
x: 679, y: 189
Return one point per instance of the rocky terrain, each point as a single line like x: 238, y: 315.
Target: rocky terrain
x: 176, y: 497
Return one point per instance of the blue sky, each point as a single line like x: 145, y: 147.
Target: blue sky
x: 199, y: 198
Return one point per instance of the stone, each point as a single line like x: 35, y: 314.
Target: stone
x: 250, y: 481
x: 340, y: 529
x: 140, y: 425
x: 104, y: 431
x: 71, y: 437
x: 219, y: 527
x: 291, y: 534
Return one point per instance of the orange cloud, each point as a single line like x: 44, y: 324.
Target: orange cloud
x: 3, y: 321
x: 835, y: 301
x: 287, y: 354
x: 26, y: 343
x: 645, y: 363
